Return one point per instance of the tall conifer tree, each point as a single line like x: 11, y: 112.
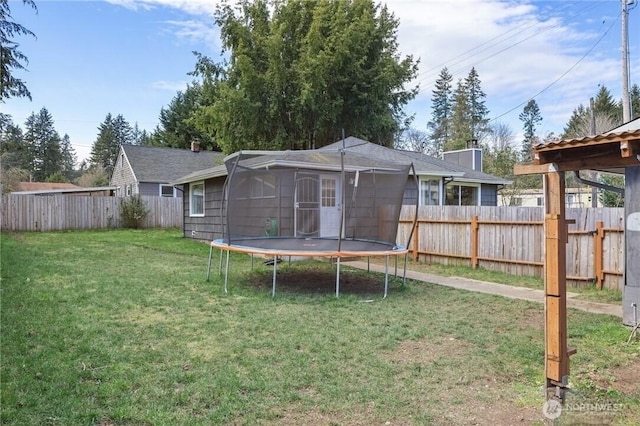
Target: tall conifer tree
x: 441, y: 109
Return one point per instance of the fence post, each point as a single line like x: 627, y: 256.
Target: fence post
x: 474, y: 241
x: 598, y: 254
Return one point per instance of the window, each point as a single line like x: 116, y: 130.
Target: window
x: 328, y: 192
x: 263, y: 187
x: 127, y: 190
x: 167, y: 191
x: 429, y: 193
x: 196, y: 199
x: 461, y: 195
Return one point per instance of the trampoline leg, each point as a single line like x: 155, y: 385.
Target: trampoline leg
x: 273, y: 288
x: 404, y: 272
x: 395, y: 273
x: 368, y: 264
x: 252, y: 261
x: 209, y: 265
x: 386, y: 276
x: 338, y: 277
x: 226, y: 272
x: 220, y: 266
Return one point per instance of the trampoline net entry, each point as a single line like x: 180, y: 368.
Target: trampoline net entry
x: 314, y: 201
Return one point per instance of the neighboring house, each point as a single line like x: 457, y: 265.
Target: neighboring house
x: 440, y: 183
x: 149, y: 170
x: 574, y: 197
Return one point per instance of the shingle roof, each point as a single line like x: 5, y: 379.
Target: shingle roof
x: 424, y: 164
x: 160, y: 165
x: 367, y: 155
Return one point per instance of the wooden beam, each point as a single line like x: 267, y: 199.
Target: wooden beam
x: 595, y: 163
x: 555, y: 310
x: 530, y: 169
x: 629, y: 148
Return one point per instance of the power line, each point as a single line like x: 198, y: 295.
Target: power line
x: 562, y: 75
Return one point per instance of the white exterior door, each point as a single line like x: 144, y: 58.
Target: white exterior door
x: 330, y: 205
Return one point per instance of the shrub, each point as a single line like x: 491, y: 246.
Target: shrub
x: 133, y: 210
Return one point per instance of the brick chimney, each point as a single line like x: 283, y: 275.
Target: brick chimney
x: 195, y: 146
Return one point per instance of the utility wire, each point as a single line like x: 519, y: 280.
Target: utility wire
x: 564, y: 73
x: 548, y: 28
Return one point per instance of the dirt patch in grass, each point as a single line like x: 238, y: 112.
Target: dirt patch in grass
x: 424, y: 351
x: 312, y: 279
x: 627, y: 378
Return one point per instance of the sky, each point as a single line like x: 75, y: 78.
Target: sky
x: 131, y: 57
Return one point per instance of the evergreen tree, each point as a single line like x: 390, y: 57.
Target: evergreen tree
x: 68, y: 157
x: 43, y: 145
x: 441, y: 109
x: 635, y: 101
x: 469, y: 122
x: 12, y: 147
x: 460, y: 127
x: 301, y: 71
x: 607, y: 112
x: 530, y: 117
x: 605, y: 105
x: 610, y: 198
x: 479, y: 112
x: 11, y: 58
x: 112, y: 133
x: 176, y: 128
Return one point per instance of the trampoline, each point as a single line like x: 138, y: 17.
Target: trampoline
x: 332, y: 204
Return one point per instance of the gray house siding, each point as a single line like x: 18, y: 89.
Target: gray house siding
x: 153, y: 189
x: 123, y: 176
x: 208, y: 227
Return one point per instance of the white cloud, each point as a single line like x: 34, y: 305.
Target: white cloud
x: 172, y: 86
x: 196, y: 31
x: 195, y: 7
x: 518, y: 47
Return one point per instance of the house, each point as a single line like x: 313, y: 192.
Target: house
x: 534, y: 197
x: 440, y: 183
x: 456, y: 180
x: 149, y: 170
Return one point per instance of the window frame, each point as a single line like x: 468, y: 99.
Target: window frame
x: 192, y: 187
x: 165, y: 185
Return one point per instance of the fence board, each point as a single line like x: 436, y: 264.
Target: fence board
x: 511, y: 240
x: 56, y: 213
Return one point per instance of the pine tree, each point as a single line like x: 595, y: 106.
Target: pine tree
x: 112, y: 133
x: 10, y: 57
x: 530, y: 117
x: 68, y: 155
x: 460, y: 129
x: 635, y: 101
x: 43, y: 142
x: 441, y: 109
x: 12, y: 147
x: 479, y: 112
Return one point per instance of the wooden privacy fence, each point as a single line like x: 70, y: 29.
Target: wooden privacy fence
x: 511, y: 240
x: 56, y: 213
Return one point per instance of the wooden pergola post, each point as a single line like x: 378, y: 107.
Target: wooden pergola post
x: 612, y: 151
x: 556, y: 353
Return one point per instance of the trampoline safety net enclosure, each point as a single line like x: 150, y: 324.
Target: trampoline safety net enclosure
x: 330, y: 203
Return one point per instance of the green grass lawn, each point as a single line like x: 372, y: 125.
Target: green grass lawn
x: 120, y: 327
